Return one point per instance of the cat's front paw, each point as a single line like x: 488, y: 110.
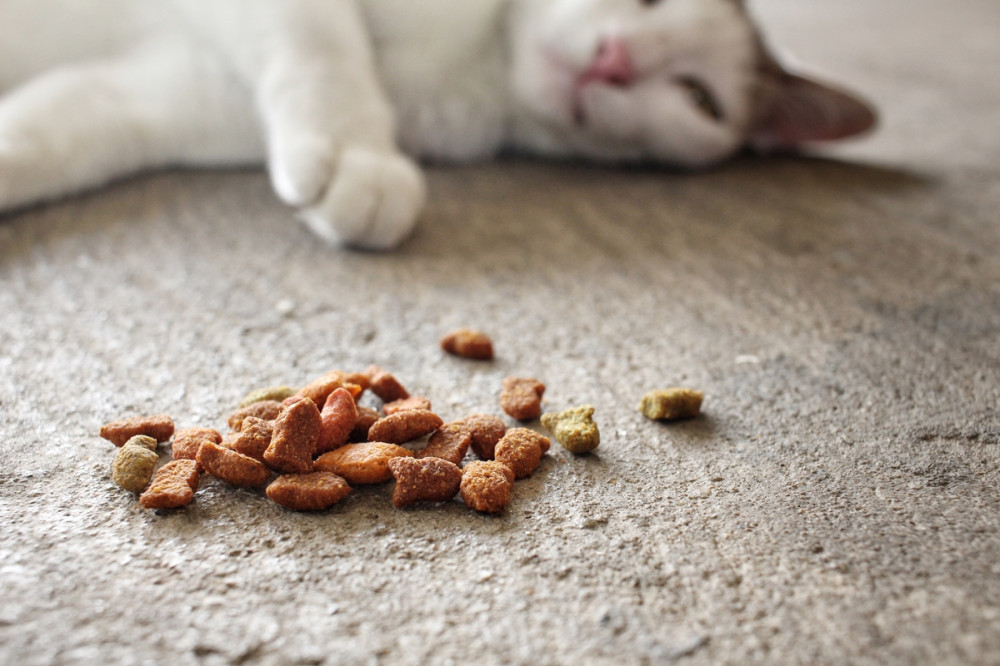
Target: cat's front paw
x: 371, y: 200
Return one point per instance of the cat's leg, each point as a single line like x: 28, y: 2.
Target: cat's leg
x: 84, y: 125
x: 331, y: 132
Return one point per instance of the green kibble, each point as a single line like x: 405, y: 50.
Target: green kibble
x: 574, y: 428
x: 276, y: 393
x: 145, y: 441
x: 133, y: 466
x: 671, y: 404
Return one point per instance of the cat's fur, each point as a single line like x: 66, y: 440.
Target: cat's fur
x: 339, y: 97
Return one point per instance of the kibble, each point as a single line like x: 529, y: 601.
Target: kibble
x: 270, y: 394
x: 363, y: 463
x: 521, y: 450
x: 293, y: 443
x: 671, y: 404
x: 232, y: 467
x: 316, y: 491
x: 337, y: 419
x: 187, y: 441
x: 521, y: 397
x: 133, y: 465
x: 449, y: 442
x: 265, y: 409
x: 486, y: 485
x: 468, y: 343
x: 160, y: 427
x: 485, y: 431
x: 423, y: 480
x: 404, y: 426
x: 172, y: 486
x: 574, y: 428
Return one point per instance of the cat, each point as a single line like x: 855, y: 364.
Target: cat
x: 341, y: 98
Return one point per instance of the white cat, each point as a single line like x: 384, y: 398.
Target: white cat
x: 339, y: 97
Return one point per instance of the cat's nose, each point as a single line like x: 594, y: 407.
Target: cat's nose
x: 612, y: 63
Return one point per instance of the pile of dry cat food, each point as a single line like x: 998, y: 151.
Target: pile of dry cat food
x: 309, y: 446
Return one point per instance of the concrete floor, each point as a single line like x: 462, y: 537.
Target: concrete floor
x: 838, y: 502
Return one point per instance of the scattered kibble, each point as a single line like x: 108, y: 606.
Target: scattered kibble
x: 296, y: 431
x: 468, y: 343
x: 362, y: 463
x: 404, y: 426
x: 485, y: 431
x: 423, y: 480
x: 134, y: 463
x: 521, y: 397
x: 160, y: 427
x: 521, y: 450
x: 172, y: 486
x: 315, y: 491
x: 486, y: 485
x: 449, y: 442
x: 671, y: 404
x: 574, y: 428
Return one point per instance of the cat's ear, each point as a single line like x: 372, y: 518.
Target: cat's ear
x: 798, y: 110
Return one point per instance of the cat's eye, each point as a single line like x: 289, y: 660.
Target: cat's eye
x: 702, y: 98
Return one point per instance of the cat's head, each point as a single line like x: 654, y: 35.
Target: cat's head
x: 686, y: 82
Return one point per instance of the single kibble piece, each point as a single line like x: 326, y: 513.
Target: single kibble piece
x: 449, y: 442
x: 413, y: 402
x: 296, y: 431
x: 404, y: 426
x: 270, y: 393
x: 384, y: 385
x: 521, y: 450
x: 337, y: 420
x: 521, y: 397
x: 485, y: 430
x: 160, y: 427
x: 253, y: 438
x: 144, y: 441
x: 364, y: 463
x: 133, y: 466
x: 187, y: 441
x: 265, y: 409
x: 366, y: 418
x: 319, y: 389
x: 574, y: 428
x: 315, y: 491
x: 172, y: 486
x: 232, y: 467
x: 486, y: 485
x: 671, y: 404
x: 424, y: 480
x: 468, y: 343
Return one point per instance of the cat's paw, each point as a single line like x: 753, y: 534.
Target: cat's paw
x: 368, y: 199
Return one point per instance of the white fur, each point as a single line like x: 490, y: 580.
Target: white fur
x: 339, y: 97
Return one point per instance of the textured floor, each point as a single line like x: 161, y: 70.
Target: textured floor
x: 838, y: 502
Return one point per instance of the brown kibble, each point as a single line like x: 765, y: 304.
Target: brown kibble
x: 486, y: 430
x: 160, y: 427
x: 671, y: 404
x: 450, y: 442
x: 384, y: 385
x: 404, y: 426
x: 521, y: 397
x: 320, y: 388
x: 413, y: 402
x: 315, y: 491
x: 468, y: 343
x: 187, y: 441
x: 293, y: 443
x: 254, y: 438
x: 271, y: 393
x: 265, y: 409
x: 424, y: 480
x: 486, y: 485
x: 364, y: 463
x: 173, y: 485
x: 574, y: 428
x: 231, y: 466
x: 338, y: 417
x: 366, y: 418
x: 521, y: 450
x: 133, y: 466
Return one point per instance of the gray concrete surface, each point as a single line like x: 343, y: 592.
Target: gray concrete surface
x: 837, y: 503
